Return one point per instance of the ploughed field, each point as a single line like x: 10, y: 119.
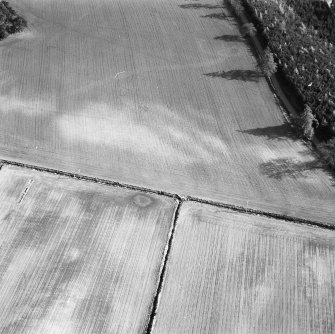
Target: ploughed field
x: 161, y: 94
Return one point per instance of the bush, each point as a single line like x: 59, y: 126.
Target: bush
x: 248, y: 29
x: 237, y: 7
x: 10, y: 22
x: 307, y: 122
x: 328, y: 152
x: 267, y: 64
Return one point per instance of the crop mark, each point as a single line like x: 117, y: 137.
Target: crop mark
x: 25, y: 191
x: 119, y: 73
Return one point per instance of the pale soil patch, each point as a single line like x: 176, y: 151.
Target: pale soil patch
x: 241, y: 274
x: 156, y: 94
x: 78, y: 257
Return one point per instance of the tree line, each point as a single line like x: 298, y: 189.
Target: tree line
x: 305, y: 57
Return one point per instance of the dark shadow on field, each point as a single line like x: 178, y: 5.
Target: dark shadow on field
x: 199, y: 5
x: 278, y: 132
x: 288, y: 167
x: 219, y: 16
x: 230, y: 38
x: 243, y: 75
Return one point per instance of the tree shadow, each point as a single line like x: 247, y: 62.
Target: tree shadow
x: 219, y: 16
x: 288, y: 167
x: 230, y: 38
x: 243, y: 75
x: 199, y: 5
x: 278, y: 132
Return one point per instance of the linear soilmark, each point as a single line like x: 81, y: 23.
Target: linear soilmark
x: 25, y: 191
x: 162, y: 271
x: 232, y: 207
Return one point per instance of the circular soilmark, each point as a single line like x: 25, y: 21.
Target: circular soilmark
x: 72, y: 255
x: 142, y: 200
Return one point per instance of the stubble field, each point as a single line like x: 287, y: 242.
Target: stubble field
x: 234, y: 273
x: 161, y: 94
x: 164, y: 95
x: 77, y: 257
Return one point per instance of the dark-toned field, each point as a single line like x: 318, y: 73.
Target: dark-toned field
x: 161, y: 94
x: 240, y: 274
x: 77, y: 257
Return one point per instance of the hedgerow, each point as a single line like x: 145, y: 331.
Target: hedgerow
x: 10, y: 22
x: 328, y: 152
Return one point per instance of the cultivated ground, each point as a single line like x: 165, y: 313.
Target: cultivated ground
x: 232, y: 273
x: 78, y: 257
x: 159, y: 95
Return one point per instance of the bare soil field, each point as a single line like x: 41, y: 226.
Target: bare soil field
x: 234, y: 273
x: 78, y: 257
x: 161, y: 94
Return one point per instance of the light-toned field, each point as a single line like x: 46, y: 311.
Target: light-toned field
x: 134, y: 91
x: 241, y: 274
x: 77, y: 257
x: 161, y: 94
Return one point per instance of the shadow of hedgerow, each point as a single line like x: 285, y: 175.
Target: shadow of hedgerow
x: 278, y: 132
x: 243, y: 75
x: 230, y: 38
x: 199, y: 5
x: 287, y: 167
x: 219, y: 16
